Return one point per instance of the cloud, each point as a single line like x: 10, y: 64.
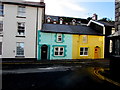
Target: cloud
x: 70, y: 8
x: 63, y: 8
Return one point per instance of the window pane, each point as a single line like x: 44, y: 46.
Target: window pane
x: 21, y: 28
x: 81, y: 49
x: 81, y: 53
x: 61, y: 53
x: 85, y: 53
x: 86, y: 49
x: 1, y: 26
x: 56, y: 53
x: 21, y: 11
x: 0, y: 48
x: 61, y: 49
x: 59, y: 37
x: 56, y: 49
x: 1, y: 9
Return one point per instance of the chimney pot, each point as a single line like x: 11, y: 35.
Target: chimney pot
x: 42, y: 1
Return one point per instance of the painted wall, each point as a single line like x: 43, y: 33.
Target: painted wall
x: 92, y: 42
x: 10, y: 31
x: 49, y: 39
x: 72, y: 44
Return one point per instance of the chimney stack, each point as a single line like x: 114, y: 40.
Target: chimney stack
x: 94, y: 17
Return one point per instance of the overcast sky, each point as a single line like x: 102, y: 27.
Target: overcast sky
x: 80, y: 8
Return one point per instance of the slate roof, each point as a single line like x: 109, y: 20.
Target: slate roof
x: 26, y: 3
x: 110, y: 24
x: 69, y: 29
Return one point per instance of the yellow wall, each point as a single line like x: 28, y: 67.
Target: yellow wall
x: 92, y: 42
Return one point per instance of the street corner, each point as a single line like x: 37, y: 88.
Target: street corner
x: 98, y: 72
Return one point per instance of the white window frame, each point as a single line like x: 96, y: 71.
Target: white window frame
x: 59, y: 51
x: 84, y: 51
x: 21, y: 27
x: 17, y: 51
x: 21, y: 11
x: 59, y: 36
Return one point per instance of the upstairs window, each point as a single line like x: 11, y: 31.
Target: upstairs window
x: 1, y: 9
x: 59, y: 37
x: 21, y: 11
x: 21, y: 29
x: 84, y: 39
x: 1, y: 27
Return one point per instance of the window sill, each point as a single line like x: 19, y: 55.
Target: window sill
x: 1, y: 35
x: 84, y: 55
x: 2, y: 15
x: 20, y: 17
x: 19, y: 56
x: 59, y: 42
x: 59, y: 56
x: 20, y: 36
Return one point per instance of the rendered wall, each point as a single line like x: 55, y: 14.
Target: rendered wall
x: 92, y: 42
x: 49, y: 39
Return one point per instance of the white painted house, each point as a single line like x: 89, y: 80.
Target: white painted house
x: 19, y: 22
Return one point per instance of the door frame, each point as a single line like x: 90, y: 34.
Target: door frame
x: 97, y: 53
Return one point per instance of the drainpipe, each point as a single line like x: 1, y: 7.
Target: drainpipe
x: 104, y: 41
x: 36, y: 33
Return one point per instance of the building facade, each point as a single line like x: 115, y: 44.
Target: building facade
x: 53, y: 46
x: 115, y: 38
x: 19, y: 22
x: 88, y: 47
x: 61, y: 41
x: 106, y: 28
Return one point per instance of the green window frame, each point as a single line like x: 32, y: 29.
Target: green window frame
x: 59, y: 38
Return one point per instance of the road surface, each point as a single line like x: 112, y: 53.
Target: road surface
x: 55, y: 77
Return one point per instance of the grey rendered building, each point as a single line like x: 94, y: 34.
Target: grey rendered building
x: 19, y: 22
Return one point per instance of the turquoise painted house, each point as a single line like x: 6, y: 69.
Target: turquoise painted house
x: 54, y: 45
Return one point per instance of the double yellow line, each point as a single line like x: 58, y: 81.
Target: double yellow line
x: 96, y: 72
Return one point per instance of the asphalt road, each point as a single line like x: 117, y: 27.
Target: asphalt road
x: 55, y: 77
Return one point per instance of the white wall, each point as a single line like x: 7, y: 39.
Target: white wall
x: 10, y: 31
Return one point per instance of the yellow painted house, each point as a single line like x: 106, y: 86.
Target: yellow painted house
x: 88, y: 47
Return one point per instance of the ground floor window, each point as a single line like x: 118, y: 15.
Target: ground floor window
x: 20, y: 49
x: 58, y: 51
x: 83, y: 51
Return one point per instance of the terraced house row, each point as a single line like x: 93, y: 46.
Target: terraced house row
x: 26, y: 32
x: 57, y: 41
